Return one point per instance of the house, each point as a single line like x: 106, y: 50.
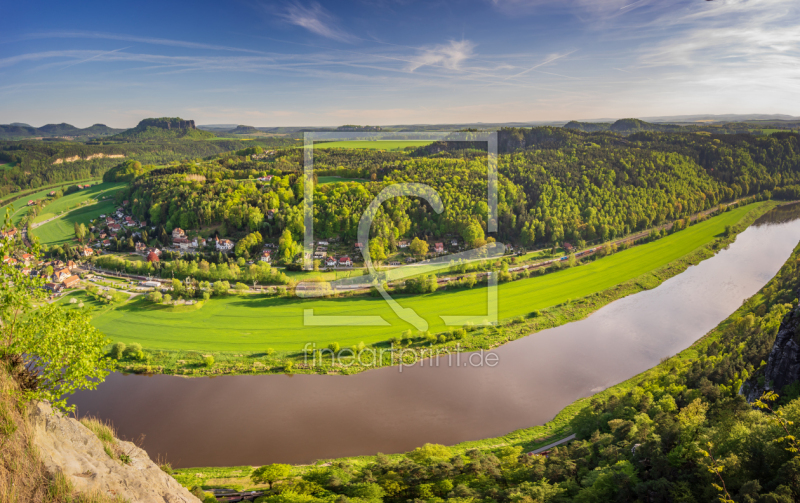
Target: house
x: 26, y: 258
x: 454, y: 242
x: 266, y: 256
x: 129, y: 222
x: 320, y: 254
x: 182, y: 243
x: 394, y: 263
x: 140, y: 247
x: 52, y: 193
x: 403, y: 243
x: 109, y: 220
x: 271, y: 214
x: 54, y: 287
x: 61, y: 275
x: 202, y: 243
x: 567, y: 246
x: 106, y: 243
x: 115, y: 228
x: 359, y: 246
x: 322, y: 243
x: 177, y: 232
x: 9, y: 235
x: 71, y: 281
x: 151, y: 284
x: 267, y: 178
x: 438, y: 247
x: 154, y: 250
x: 9, y: 260
x: 330, y: 262
x: 70, y: 265
x: 87, y: 252
x: 103, y: 235
x: 345, y: 262
x: 224, y: 244
x: 31, y: 203
x: 125, y: 203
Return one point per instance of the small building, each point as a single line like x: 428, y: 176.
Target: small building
x: 70, y: 265
x: 9, y: 235
x: 224, y: 244
x: 270, y: 214
x: 71, y: 281
x: 454, y: 242
x: 359, y: 246
x: 87, y: 252
x: 140, y: 247
x: 151, y: 284
x: 177, y: 232
x: 26, y: 258
x: 330, y: 262
x: 115, y: 228
x: 345, y: 262
x: 266, y: 256
x: 403, y: 243
x: 267, y: 178
x: 61, y: 275
x: 54, y: 287
x: 31, y: 203
x: 438, y: 247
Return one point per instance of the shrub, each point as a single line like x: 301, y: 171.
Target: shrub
x: 208, y: 361
x: 167, y: 299
x: 269, y: 351
x: 334, y: 346
x: 134, y: 351
x: 155, y: 297
x: 117, y: 350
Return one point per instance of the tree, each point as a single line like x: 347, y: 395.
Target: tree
x: 155, y: 297
x: 419, y: 247
x: 270, y: 474
x: 286, y: 246
x: 52, y: 350
x: 221, y: 288
x: 117, y: 350
x: 208, y: 361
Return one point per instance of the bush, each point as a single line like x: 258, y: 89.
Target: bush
x: 117, y: 350
x: 242, y: 287
x: 155, y: 297
x: 334, y: 346
x: 134, y: 351
x: 208, y: 361
x: 167, y: 299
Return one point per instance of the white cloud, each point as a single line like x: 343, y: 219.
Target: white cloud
x: 449, y: 55
x: 317, y: 20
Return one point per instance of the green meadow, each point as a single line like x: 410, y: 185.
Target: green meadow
x: 20, y: 205
x: 375, y: 145
x: 62, y: 230
x: 243, y: 323
x: 75, y: 199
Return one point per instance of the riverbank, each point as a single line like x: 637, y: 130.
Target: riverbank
x: 763, y: 311
x: 527, y: 306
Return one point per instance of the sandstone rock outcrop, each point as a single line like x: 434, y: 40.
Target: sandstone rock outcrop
x: 783, y: 365
x: 67, y: 446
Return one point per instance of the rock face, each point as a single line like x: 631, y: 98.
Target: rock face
x: 67, y: 446
x: 783, y: 365
x: 166, y: 123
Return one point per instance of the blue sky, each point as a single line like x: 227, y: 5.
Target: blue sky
x: 301, y: 62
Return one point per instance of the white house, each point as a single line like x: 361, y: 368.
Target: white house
x: 330, y: 262
x: 403, y: 243
x: 345, y: 262
x: 224, y: 244
x: 266, y: 256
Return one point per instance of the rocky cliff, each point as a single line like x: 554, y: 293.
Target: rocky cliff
x: 166, y: 123
x: 783, y: 365
x: 67, y: 446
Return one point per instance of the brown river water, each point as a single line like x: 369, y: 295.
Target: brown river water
x: 255, y: 420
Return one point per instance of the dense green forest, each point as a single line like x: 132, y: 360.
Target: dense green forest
x: 554, y: 185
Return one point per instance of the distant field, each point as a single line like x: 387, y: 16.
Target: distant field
x: 241, y: 323
x: 770, y: 131
x: 20, y: 205
x: 7, y: 165
x: 323, y: 180
x: 375, y: 145
x: 62, y: 230
x: 74, y: 200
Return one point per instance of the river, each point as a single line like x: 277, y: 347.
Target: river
x: 255, y: 420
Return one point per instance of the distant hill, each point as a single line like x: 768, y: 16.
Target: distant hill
x: 244, y: 130
x: 164, y: 128
x: 19, y: 131
x: 588, y: 127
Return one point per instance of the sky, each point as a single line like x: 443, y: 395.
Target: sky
x: 381, y: 62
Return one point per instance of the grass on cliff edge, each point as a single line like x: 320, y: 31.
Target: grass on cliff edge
x: 247, y: 324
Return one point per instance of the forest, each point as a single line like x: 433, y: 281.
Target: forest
x: 555, y: 185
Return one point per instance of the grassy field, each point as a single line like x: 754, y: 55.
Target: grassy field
x: 75, y: 199
x: 20, y: 208
x: 322, y: 180
x: 62, y: 230
x: 251, y: 324
x: 7, y: 165
x: 376, y: 145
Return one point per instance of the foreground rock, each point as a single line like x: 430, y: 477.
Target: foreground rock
x: 67, y: 446
x: 783, y: 365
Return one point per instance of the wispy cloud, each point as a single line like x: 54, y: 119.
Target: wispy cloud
x: 449, y: 55
x: 317, y: 20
